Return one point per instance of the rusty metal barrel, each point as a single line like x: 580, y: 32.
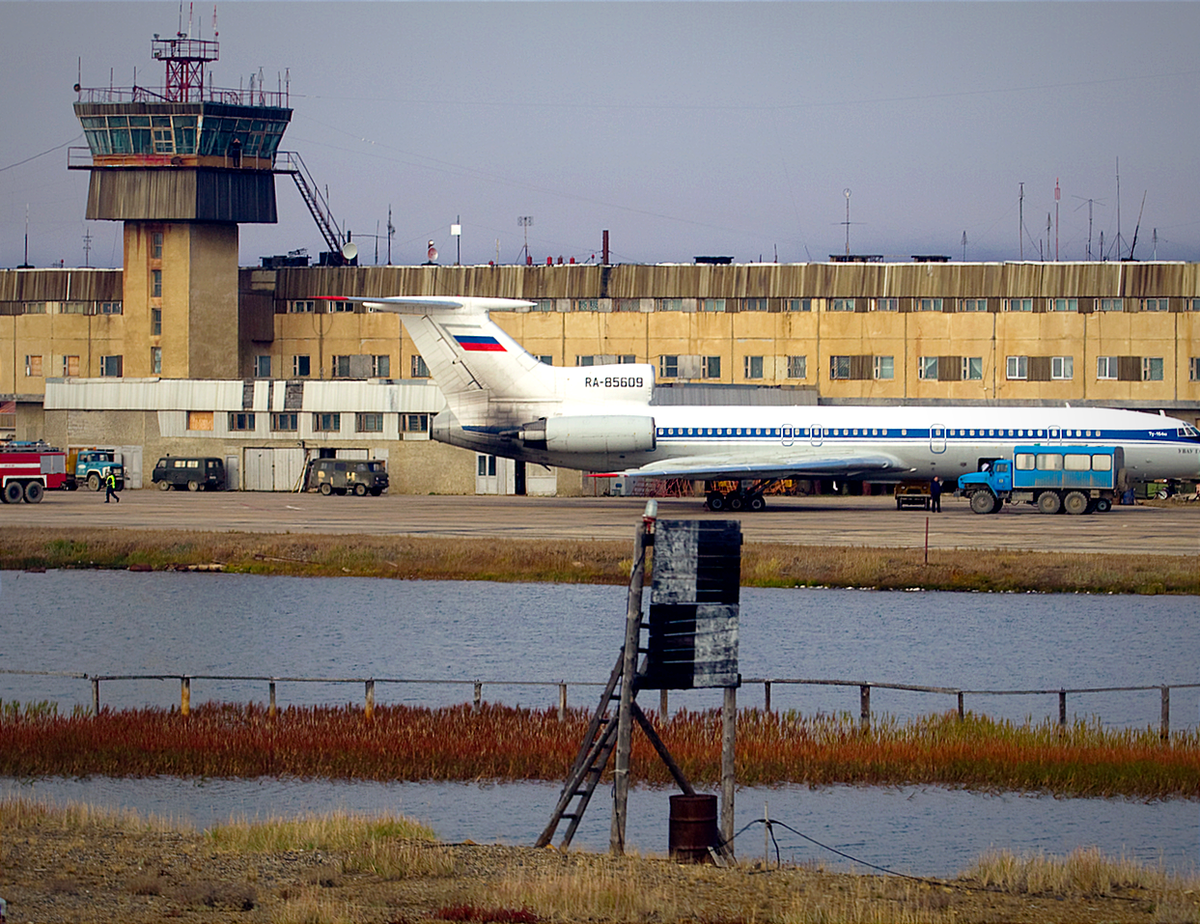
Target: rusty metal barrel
x: 693, y: 828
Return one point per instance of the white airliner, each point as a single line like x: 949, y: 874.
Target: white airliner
x: 503, y: 401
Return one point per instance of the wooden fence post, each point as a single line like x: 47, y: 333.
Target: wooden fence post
x: 478, y: 696
x: 271, y: 705
x: 1062, y: 708
x: 562, y: 701
x: 728, y: 765
x: 95, y: 696
x: 864, y: 703
x: 766, y: 696
x: 185, y: 695
x: 663, y: 705
x: 961, y: 712
x: 1166, y: 713
x: 369, y: 714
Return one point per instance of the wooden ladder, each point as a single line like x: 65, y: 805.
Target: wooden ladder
x: 594, y: 752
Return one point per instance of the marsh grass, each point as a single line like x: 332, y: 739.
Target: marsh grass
x: 75, y: 817
x: 588, y: 562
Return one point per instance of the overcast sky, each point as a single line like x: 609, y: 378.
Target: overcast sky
x: 683, y: 128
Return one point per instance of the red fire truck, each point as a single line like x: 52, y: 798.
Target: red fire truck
x: 29, y: 469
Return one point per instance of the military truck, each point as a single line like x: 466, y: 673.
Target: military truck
x: 1074, y: 479
x: 347, y: 476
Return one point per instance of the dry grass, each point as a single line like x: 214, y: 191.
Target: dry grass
x: 600, y: 562
x: 21, y: 814
x: 1085, y: 871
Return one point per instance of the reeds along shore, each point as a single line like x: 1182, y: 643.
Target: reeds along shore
x: 507, y: 744
x: 585, y: 562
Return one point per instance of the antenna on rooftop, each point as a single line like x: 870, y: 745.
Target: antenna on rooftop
x: 846, y: 193
x: 1089, y: 202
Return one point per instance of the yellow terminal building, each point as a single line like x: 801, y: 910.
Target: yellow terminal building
x: 183, y: 352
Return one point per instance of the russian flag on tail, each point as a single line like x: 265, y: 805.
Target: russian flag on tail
x: 479, y: 343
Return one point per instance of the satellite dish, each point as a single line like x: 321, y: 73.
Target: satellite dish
x: 432, y: 253
x: 349, y: 250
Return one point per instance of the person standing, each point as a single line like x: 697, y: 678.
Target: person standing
x: 935, y: 495
x: 110, y: 488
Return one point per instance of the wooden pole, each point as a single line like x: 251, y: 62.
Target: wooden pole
x: 728, y: 772
x: 663, y: 705
x: 369, y: 712
x: 864, y: 707
x: 1062, y: 708
x: 185, y: 695
x: 271, y: 706
x: 95, y: 696
x: 633, y: 632
x: 766, y: 696
x: 961, y: 712
x: 1166, y: 713
x: 562, y: 701
x: 478, y: 700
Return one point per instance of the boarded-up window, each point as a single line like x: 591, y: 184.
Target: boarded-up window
x: 862, y: 367
x: 33, y: 365
x: 949, y: 368
x: 70, y: 365
x: 1129, y: 368
x: 200, y: 420
x: 1039, y: 368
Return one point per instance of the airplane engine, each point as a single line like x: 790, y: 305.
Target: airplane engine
x: 601, y: 434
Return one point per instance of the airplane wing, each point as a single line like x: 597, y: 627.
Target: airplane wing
x: 732, y: 468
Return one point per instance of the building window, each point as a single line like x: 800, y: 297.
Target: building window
x: 338, y: 306
x: 34, y: 307
x: 156, y: 322
x: 1062, y: 367
x: 546, y: 360
x: 381, y: 366
x: 156, y: 242
x: 973, y: 304
x: 1106, y: 367
x: 927, y: 368
x: 713, y: 304
x: 302, y: 306
x: 839, y: 367
x: 262, y: 366
x: 668, y: 367
x: 626, y: 305
x: 884, y: 368
x: 301, y: 367
x: 110, y: 308
x: 1193, y: 305
x: 1152, y: 369
x: 200, y: 420
x: 587, y: 304
x: 368, y: 423
x: 112, y: 366
x: 1064, y: 304
x: 418, y: 369
x: 972, y: 368
x: 156, y: 283
x: 76, y: 308
x: 799, y: 304
x: 240, y: 422
x: 626, y: 359
x: 670, y: 304
x: 285, y: 422
x: 1154, y: 304
x: 841, y: 304
x: 1020, y: 304
x: 754, y: 304
x: 887, y: 304
x: 70, y: 365
x: 546, y: 304
x: 712, y: 367
x: 1112, y: 304
x: 1018, y: 367
x: 929, y: 304
x: 156, y: 360
x: 797, y: 367
x: 1194, y: 369
x: 585, y: 360
x: 340, y: 367
x: 33, y: 365
x: 753, y: 367
x: 415, y: 423
x: 327, y: 423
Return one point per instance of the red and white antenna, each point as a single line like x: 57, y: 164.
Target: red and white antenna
x: 1057, y: 196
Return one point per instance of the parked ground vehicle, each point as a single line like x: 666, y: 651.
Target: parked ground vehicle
x: 29, y: 469
x: 191, y: 472
x: 913, y: 494
x: 347, y: 476
x: 91, y: 467
x: 1075, y: 479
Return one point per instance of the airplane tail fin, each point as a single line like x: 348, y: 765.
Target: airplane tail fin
x: 489, y: 379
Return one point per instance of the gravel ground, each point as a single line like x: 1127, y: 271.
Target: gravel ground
x: 101, y: 872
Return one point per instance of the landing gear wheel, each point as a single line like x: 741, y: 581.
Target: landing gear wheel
x: 34, y: 492
x: 193, y: 486
x: 360, y: 490
x: 326, y: 489
x: 1049, y: 502
x: 983, y: 502
x: 94, y: 482
x: 757, y: 502
x: 1075, y: 503
x: 736, y: 502
x: 715, y: 502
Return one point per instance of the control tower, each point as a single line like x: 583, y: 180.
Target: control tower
x: 181, y: 166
